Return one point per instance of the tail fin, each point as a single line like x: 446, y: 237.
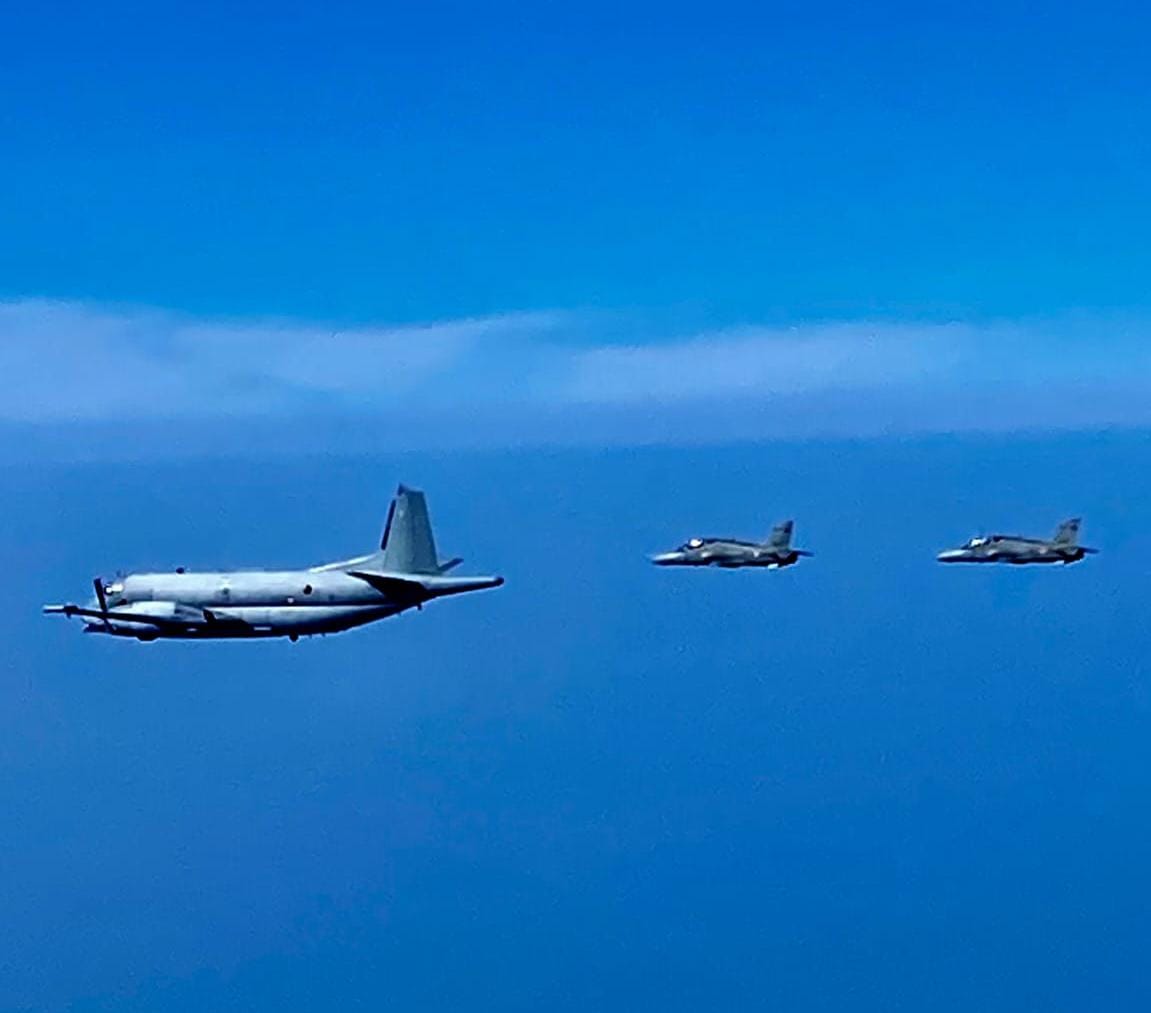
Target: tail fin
x: 407, y: 545
x: 780, y: 537
x: 1068, y: 532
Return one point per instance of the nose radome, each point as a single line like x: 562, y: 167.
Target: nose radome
x: 665, y: 558
x: 951, y: 556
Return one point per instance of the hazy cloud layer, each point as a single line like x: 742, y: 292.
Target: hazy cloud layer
x: 557, y: 377
x: 82, y: 362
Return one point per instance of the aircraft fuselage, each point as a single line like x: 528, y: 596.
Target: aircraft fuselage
x: 1015, y: 552
x: 258, y: 603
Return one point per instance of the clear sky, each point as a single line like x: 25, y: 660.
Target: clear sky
x: 598, y: 277
x: 358, y: 161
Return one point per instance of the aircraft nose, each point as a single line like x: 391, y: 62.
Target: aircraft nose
x: 951, y: 556
x: 665, y: 558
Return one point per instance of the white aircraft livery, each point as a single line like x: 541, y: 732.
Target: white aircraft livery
x: 404, y: 573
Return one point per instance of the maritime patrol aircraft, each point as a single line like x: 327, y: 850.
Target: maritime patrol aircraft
x: 730, y: 553
x: 405, y: 573
x: 1064, y: 547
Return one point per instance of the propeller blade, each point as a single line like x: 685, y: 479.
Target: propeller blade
x: 101, y: 597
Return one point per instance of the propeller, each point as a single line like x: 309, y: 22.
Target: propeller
x: 102, y: 598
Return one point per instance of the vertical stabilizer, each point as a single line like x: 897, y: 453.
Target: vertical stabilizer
x: 1068, y: 532
x: 781, y: 535
x: 407, y: 545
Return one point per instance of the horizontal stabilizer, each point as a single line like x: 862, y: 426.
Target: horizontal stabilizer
x: 398, y: 589
x: 406, y: 590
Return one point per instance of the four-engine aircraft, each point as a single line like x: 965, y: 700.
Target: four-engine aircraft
x: 1064, y: 547
x: 405, y: 573
x: 730, y: 553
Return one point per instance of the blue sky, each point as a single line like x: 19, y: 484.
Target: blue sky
x: 747, y: 164
x: 598, y: 280
x: 857, y: 211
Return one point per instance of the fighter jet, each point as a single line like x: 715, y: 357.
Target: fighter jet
x: 1063, y: 548
x: 405, y: 573
x: 730, y: 553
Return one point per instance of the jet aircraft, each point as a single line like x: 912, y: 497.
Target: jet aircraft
x: 730, y: 553
x: 1064, y: 547
x: 405, y: 573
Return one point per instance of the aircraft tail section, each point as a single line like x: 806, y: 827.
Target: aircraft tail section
x: 1068, y: 532
x: 780, y: 537
x: 407, y: 545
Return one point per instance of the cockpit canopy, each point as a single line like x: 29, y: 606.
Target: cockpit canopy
x: 981, y: 540
x: 693, y: 543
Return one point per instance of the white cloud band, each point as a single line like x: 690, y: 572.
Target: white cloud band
x: 564, y: 376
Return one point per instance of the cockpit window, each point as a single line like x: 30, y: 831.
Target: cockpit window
x: 692, y: 543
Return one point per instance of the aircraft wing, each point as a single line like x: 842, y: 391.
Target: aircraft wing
x: 182, y: 616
